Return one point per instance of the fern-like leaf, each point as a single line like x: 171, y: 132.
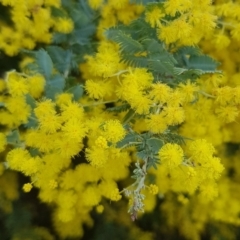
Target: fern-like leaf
x: 134, y: 61
x: 126, y: 42
x: 203, y: 62
x: 44, y: 62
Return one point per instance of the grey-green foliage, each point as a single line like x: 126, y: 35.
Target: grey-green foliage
x: 63, y: 59
x: 140, y: 47
x: 147, y: 146
x: 84, y: 23
x: 13, y: 138
x: 56, y: 83
x: 71, y: 48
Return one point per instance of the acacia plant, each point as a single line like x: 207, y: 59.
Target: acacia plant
x: 127, y: 101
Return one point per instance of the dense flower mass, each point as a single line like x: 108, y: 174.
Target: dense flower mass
x: 114, y: 101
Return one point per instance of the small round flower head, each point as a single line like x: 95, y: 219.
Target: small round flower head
x: 27, y: 187
x: 156, y: 123
x: 113, y: 131
x: 64, y: 25
x: 153, y: 189
x: 153, y: 16
x: 100, y: 208
x: 97, y: 156
x: 115, y: 195
x: 17, y: 85
x: 171, y: 155
x: 200, y: 150
x: 36, y: 85
x: 101, y: 142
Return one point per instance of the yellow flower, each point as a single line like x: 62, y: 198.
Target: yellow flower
x: 3, y: 141
x: 49, y: 123
x: 97, y: 156
x: 17, y: 85
x: 71, y: 111
x: 16, y: 157
x: 173, y: 6
x: 100, y: 208
x: 171, y: 155
x: 188, y: 90
x: 27, y: 187
x: 36, y: 85
x: 64, y: 99
x: 45, y: 107
x: 224, y: 95
x: 113, y: 131
x: 74, y: 130
x: 95, y: 4
x: 157, y: 123
x: 160, y: 92
x: 98, y: 89
x: 153, y: 189
x: 64, y: 25
x: 200, y: 150
x: 91, y: 196
x: 101, y: 142
x: 228, y: 113
x: 153, y: 16
x: 174, y: 115
x: 115, y: 195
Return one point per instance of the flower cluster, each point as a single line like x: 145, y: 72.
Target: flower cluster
x: 155, y: 106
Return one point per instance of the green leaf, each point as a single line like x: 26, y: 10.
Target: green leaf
x: 121, y: 108
x: 140, y: 30
x: 144, y: 154
x: 135, y: 61
x: 54, y: 86
x: 77, y: 92
x: 32, y: 121
x: 34, y: 152
x: 153, y: 46
x: 13, y: 138
x: 44, y: 63
x: 161, y: 66
x: 126, y: 42
x: 129, y: 140
x: 61, y: 58
x: 152, y: 162
x: 189, y: 50
x: 30, y: 100
x: 130, y: 114
x: 82, y: 35
x: 203, y: 62
x: 57, y: 12
x: 60, y: 38
x: 2, y: 104
x: 155, y: 144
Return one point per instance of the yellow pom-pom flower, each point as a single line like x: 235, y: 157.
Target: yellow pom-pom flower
x: 97, y: 156
x: 17, y: 85
x: 100, y: 208
x: 171, y: 155
x: 27, y: 187
x: 113, y: 131
x: 64, y: 25
x: 101, y: 142
x: 153, y: 17
x: 3, y: 142
x: 153, y: 189
x: 115, y: 195
x: 36, y: 85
